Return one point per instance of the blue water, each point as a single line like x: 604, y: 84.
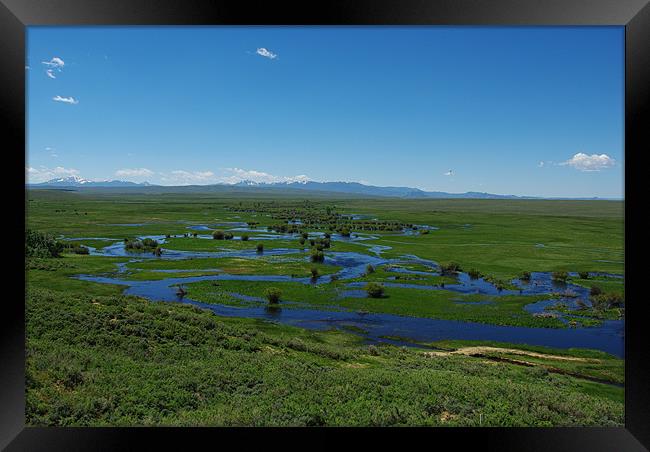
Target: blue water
x: 608, y: 337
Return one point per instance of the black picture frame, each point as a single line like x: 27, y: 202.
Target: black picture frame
x: 15, y: 15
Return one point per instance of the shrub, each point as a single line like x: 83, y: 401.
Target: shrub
x: 244, y: 237
x: 595, y: 290
x: 304, y: 236
x: 373, y: 350
x: 317, y: 256
x: 158, y: 251
x: 560, y: 276
x: 301, y: 241
x: 424, y: 231
x: 260, y: 247
x: 583, y: 275
x: 451, y: 267
x: 218, y: 235
x: 607, y: 301
x: 228, y: 235
x: 345, y: 232
x: 525, y: 276
x: 149, y: 243
x: 474, y: 273
x: 370, y: 269
x: 273, y: 294
x: 375, y: 290
x: 314, y: 272
x: 38, y: 244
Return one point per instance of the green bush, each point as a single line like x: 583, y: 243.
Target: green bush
x: 595, y: 290
x: 451, y: 267
x: 260, y: 247
x: 560, y: 276
x: 583, y: 275
x: 474, y: 273
x: 370, y: 269
x: 314, y: 272
x: 375, y: 290
x: 317, y: 256
x: 525, y: 276
x: 218, y: 235
x: 244, y: 237
x: 273, y: 294
x: 39, y: 244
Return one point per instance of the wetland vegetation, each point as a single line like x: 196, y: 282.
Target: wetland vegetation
x: 186, y: 309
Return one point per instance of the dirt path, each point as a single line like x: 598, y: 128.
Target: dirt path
x: 472, y: 351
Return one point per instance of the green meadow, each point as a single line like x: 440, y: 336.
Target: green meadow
x: 98, y: 357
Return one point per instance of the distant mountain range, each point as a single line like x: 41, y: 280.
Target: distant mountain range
x: 355, y: 189
x: 76, y: 181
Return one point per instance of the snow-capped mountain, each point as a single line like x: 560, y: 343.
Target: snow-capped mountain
x: 76, y: 181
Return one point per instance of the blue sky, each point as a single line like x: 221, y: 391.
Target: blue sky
x: 518, y: 110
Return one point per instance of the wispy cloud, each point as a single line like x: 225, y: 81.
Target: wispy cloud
x: 449, y: 173
x: 52, y: 152
x: 67, y: 100
x: 54, y: 63
x: 134, y: 172
x: 183, y: 177
x: 43, y: 174
x: 266, y: 53
x: 589, y: 163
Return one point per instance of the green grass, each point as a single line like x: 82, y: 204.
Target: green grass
x: 122, y: 361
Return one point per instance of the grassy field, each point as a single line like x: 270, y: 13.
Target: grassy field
x: 96, y: 357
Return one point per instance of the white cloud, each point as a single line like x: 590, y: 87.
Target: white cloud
x: 593, y: 162
x: 449, y: 173
x: 54, y: 63
x: 266, y: 53
x: 134, y: 172
x: 52, y: 152
x: 182, y: 177
x: 67, y: 100
x: 540, y: 164
x: 50, y: 73
x: 43, y: 174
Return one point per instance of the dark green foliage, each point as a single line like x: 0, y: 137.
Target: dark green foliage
x: 218, y: 235
x: 450, y: 268
x: 525, y: 276
x: 244, y: 237
x: 474, y: 273
x: 317, y: 256
x: 583, y: 275
x: 375, y: 290
x: 228, y: 235
x: 260, y: 247
x: 38, y: 244
x: 273, y: 294
x: 369, y: 269
x: 607, y: 301
x: 560, y: 276
x: 314, y: 272
x: 595, y: 290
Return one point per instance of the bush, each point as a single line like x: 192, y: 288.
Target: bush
x: 301, y: 241
x: 583, y: 275
x: 345, y: 232
x: 424, y: 231
x: 158, y: 251
x: 607, y: 301
x: 560, y: 276
x: 317, y: 256
x: 244, y: 237
x: 273, y: 294
x: 149, y: 243
x: 595, y: 290
x: 314, y: 272
x: 260, y: 247
x: 525, y: 276
x: 218, y: 235
x: 228, y: 235
x: 370, y: 269
x: 451, y: 267
x: 38, y: 244
x: 474, y: 273
x: 375, y: 290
